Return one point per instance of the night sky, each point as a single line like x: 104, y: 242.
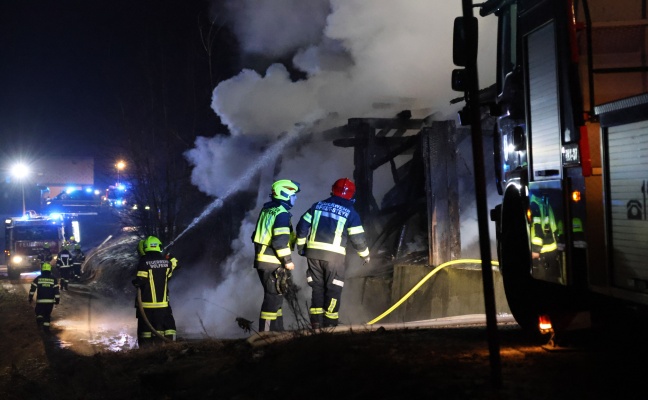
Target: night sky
x: 78, y: 77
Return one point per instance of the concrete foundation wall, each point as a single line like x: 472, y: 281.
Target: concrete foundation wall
x: 452, y: 291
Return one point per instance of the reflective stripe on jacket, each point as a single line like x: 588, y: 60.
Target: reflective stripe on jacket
x: 543, y: 226
x: 64, y: 259
x: 272, y: 235
x: 46, y: 289
x: 323, y: 230
x: 153, y: 273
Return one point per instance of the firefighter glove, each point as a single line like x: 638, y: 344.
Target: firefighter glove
x: 137, y: 283
x: 30, y: 300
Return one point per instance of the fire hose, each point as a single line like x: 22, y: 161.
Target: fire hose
x: 422, y: 281
x: 140, y: 307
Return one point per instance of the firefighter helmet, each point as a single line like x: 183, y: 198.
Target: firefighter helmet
x: 71, y: 238
x: 343, y: 188
x: 46, y: 267
x: 140, y: 247
x: 283, y: 189
x: 152, y: 244
x: 46, y: 245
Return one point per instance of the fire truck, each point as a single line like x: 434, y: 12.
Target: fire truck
x: 24, y: 240
x: 571, y: 153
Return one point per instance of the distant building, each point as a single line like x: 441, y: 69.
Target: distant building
x: 54, y: 175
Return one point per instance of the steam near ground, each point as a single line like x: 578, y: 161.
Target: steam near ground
x: 360, y: 59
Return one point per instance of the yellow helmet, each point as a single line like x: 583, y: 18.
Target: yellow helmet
x: 140, y: 247
x: 152, y: 244
x: 46, y: 267
x: 283, y: 189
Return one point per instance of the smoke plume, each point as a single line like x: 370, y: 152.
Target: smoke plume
x: 358, y: 59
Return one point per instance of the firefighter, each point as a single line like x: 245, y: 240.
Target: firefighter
x: 322, y: 235
x: 153, y: 274
x: 64, y: 265
x: 66, y: 243
x: 47, y: 297
x: 544, y: 237
x: 78, y: 257
x: 45, y: 253
x: 140, y: 248
x: 272, y: 239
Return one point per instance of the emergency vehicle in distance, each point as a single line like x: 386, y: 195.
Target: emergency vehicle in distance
x: 117, y: 196
x: 24, y: 240
x: 571, y: 155
x: 74, y: 201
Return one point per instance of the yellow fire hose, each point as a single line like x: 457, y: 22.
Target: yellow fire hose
x: 422, y: 281
x: 143, y: 314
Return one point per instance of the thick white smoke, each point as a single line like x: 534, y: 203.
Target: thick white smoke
x: 361, y: 59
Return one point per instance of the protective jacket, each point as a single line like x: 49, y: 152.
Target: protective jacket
x: 543, y: 226
x: 64, y: 259
x: 46, y: 289
x: 153, y: 274
x: 323, y: 230
x: 273, y: 237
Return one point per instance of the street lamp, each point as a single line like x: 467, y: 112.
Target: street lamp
x: 20, y: 171
x: 120, y: 165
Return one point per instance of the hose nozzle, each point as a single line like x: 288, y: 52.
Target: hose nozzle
x: 171, y: 243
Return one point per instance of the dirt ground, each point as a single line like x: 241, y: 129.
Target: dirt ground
x: 415, y: 363
x: 439, y: 363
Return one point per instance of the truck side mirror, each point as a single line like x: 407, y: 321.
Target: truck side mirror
x: 461, y: 52
x: 518, y: 138
x: 459, y: 80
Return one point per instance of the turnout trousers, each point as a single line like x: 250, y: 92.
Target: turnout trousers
x: 43, y: 313
x: 271, y: 318
x: 66, y: 273
x: 326, y: 278
x: 161, y: 319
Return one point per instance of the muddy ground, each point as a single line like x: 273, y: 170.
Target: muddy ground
x: 425, y: 363
x: 439, y: 363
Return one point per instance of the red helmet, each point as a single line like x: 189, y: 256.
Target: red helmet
x: 343, y: 188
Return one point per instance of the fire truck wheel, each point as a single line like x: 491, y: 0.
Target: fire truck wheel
x: 515, y: 266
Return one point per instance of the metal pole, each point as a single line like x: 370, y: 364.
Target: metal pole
x: 472, y: 101
x: 22, y: 186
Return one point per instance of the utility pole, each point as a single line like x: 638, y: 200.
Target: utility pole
x: 469, y: 81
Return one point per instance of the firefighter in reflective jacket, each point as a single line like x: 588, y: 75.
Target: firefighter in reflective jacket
x: 153, y: 273
x: 544, y: 234
x: 322, y: 234
x: 47, y: 293
x: 78, y: 257
x: 273, y: 239
x: 45, y: 253
x: 64, y: 265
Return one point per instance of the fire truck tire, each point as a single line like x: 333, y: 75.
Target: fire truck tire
x: 522, y: 292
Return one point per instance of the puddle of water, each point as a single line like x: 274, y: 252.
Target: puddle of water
x: 102, y: 337
x: 8, y: 287
x: 114, y: 341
